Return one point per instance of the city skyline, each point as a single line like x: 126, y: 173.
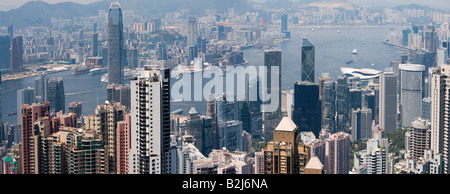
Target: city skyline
x: 248, y: 90
x: 8, y: 5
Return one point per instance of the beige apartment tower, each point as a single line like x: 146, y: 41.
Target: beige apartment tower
x: 286, y: 154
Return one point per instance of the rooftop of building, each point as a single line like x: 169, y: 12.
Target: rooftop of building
x: 314, y: 163
x: 286, y: 124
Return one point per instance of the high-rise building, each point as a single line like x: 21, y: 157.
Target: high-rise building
x: 388, y: 102
x: 337, y: 153
x: 430, y: 38
x: 329, y: 106
x: 119, y: 93
x: 306, y: 114
x: 192, y: 31
x: 412, y: 84
x: 5, y: 52
x: 419, y: 138
x: 76, y: 151
x: 272, y: 62
x: 105, y: 122
x: 150, y: 119
x: 29, y: 115
x: 115, y: 45
x: 440, y: 95
x: 94, y: 49
x: 24, y: 96
x: 259, y: 162
x: 9, y: 165
x: 374, y: 159
x: 41, y: 88
x: 229, y: 128
x: 11, y: 31
x: 183, y: 155
x: 200, y: 127
x: 286, y: 154
x: 56, y: 96
x: 361, y: 124
x: 284, y: 23
x: 162, y: 51
x: 123, y: 144
x: 322, y: 79
x: 221, y: 35
x: 308, y: 61
x: 77, y: 108
x: 17, y: 53
x: 132, y: 56
x: 342, y: 104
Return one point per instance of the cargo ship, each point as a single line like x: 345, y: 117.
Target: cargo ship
x: 80, y: 71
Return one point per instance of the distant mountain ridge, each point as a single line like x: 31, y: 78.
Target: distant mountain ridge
x: 38, y: 13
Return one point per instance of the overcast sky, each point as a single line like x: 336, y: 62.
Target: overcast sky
x: 6, y: 5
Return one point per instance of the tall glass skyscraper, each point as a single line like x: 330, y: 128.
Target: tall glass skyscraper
x: 308, y: 50
x: 306, y: 113
x: 115, y: 44
x: 5, y: 54
x: 56, y: 95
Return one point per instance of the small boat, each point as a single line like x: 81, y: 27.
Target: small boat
x: 339, y: 31
x: 104, y: 78
x: 351, y: 61
x: 355, y: 51
x: 313, y: 30
x: 13, y: 113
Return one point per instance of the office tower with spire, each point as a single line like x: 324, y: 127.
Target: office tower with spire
x: 430, y: 38
x: 150, y: 122
x: 306, y: 113
x: 388, y: 102
x: 115, y: 45
x: 308, y: 60
x: 56, y: 95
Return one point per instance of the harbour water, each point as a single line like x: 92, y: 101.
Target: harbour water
x: 333, y: 50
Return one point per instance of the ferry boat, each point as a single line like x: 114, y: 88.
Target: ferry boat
x: 97, y: 71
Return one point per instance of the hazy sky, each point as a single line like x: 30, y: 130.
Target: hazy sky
x: 6, y: 5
